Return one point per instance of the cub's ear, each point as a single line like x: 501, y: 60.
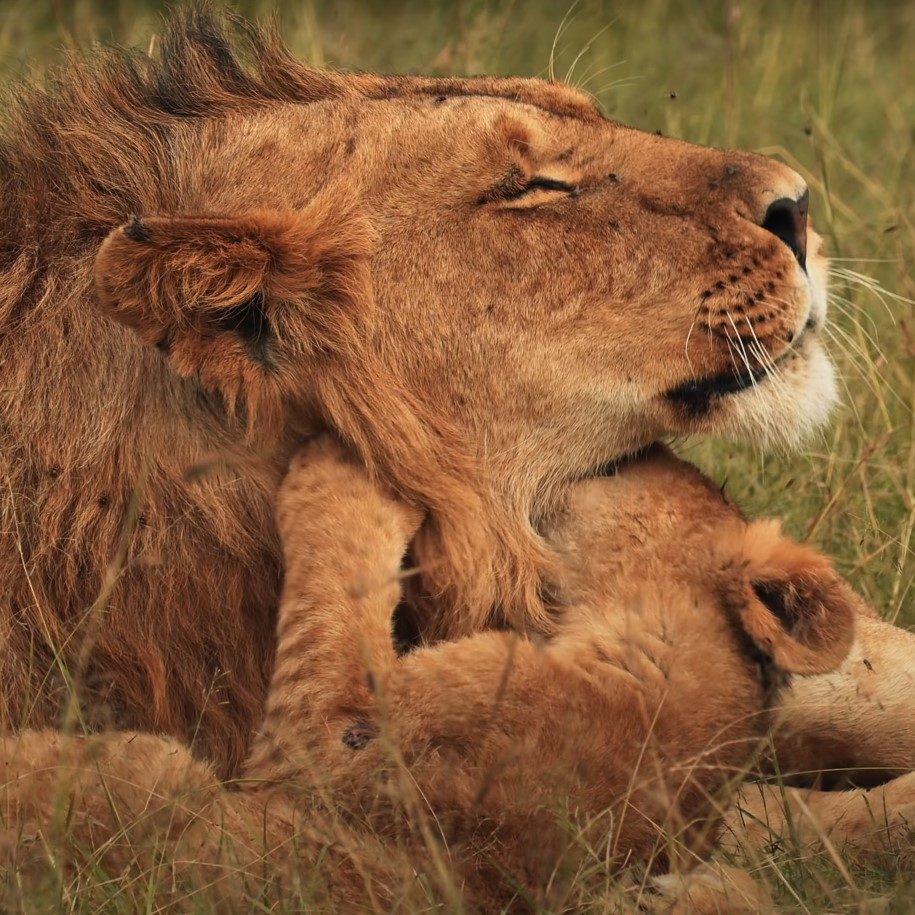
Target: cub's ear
x: 243, y: 301
x: 798, y: 610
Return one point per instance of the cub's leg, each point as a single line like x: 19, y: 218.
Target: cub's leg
x: 343, y: 541
x: 338, y: 681
x: 856, y: 724
x: 140, y: 805
x: 710, y: 888
x: 110, y: 802
x: 860, y: 825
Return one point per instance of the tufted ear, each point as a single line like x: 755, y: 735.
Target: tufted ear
x: 799, y: 612
x: 243, y: 301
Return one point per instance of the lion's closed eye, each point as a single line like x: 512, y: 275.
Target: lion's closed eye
x: 515, y: 188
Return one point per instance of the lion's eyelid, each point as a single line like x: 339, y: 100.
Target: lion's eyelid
x: 549, y: 184
x: 509, y: 188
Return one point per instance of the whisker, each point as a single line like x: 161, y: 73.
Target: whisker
x: 773, y: 373
x: 688, y: 335
x: 731, y: 350
x: 563, y: 25
x: 615, y: 84
x: 849, y: 399
x: 850, y: 309
x: 743, y: 351
x: 843, y: 308
x: 855, y: 347
x: 871, y: 285
x: 845, y: 346
x: 590, y: 77
x: 585, y: 50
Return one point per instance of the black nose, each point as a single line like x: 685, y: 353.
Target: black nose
x: 787, y: 219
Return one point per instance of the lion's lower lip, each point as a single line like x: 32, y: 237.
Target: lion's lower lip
x: 696, y: 395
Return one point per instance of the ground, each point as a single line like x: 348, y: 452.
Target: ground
x: 827, y: 87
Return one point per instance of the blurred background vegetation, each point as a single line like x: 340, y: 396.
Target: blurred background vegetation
x: 828, y: 86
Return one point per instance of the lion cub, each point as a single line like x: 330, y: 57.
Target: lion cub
x: 620, y: 736
x: 678, y: 622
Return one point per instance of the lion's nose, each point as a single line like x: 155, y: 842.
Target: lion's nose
x: 787, y: 219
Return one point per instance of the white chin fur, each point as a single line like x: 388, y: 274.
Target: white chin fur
x: 786, y: 410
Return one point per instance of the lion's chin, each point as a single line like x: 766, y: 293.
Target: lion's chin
x: 775, y: 408
x: 785, y: 408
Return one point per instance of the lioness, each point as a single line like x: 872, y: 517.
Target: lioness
x: 483, y: 285
x: 614, y: 716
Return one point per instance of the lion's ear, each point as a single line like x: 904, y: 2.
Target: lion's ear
x: 799, y: 611
x: 241, y: 300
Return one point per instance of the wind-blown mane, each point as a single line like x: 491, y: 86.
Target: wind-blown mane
x: 88, y: 517
x: 104, y: 534
x: 86, y: 148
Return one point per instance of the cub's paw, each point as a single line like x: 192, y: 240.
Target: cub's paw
x: 712, y: 888
x: 328, y: 504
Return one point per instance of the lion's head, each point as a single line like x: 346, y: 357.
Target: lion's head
x: 483, y: 284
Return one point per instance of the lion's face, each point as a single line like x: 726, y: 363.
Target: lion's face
x: 485, y: 286
x: 571, y: 288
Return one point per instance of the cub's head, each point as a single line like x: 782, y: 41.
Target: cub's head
x: 660, y: 565
x: 671, y: 593
x: 658, y: 523
x: 483, y: 284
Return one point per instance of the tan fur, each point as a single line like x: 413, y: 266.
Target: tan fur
x: 320, y: 250
x: 711, y: 888
x: 854, y: 725
x: 495, y: 737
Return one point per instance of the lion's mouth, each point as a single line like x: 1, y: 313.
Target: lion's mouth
x: 696, y: 395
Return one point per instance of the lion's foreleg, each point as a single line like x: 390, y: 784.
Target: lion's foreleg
x: 856, y: 826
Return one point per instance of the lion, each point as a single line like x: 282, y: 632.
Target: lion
x: 484, y: 736
x: 484, y: 286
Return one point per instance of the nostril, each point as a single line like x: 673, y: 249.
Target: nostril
x: 787, y: 219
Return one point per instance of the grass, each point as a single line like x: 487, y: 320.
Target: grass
x: 827, y: 86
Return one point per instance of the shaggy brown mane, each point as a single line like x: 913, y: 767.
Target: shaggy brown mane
x: 97, y: 141
x: 81, y: 151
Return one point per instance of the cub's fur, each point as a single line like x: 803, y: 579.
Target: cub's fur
x: 679, y: 623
